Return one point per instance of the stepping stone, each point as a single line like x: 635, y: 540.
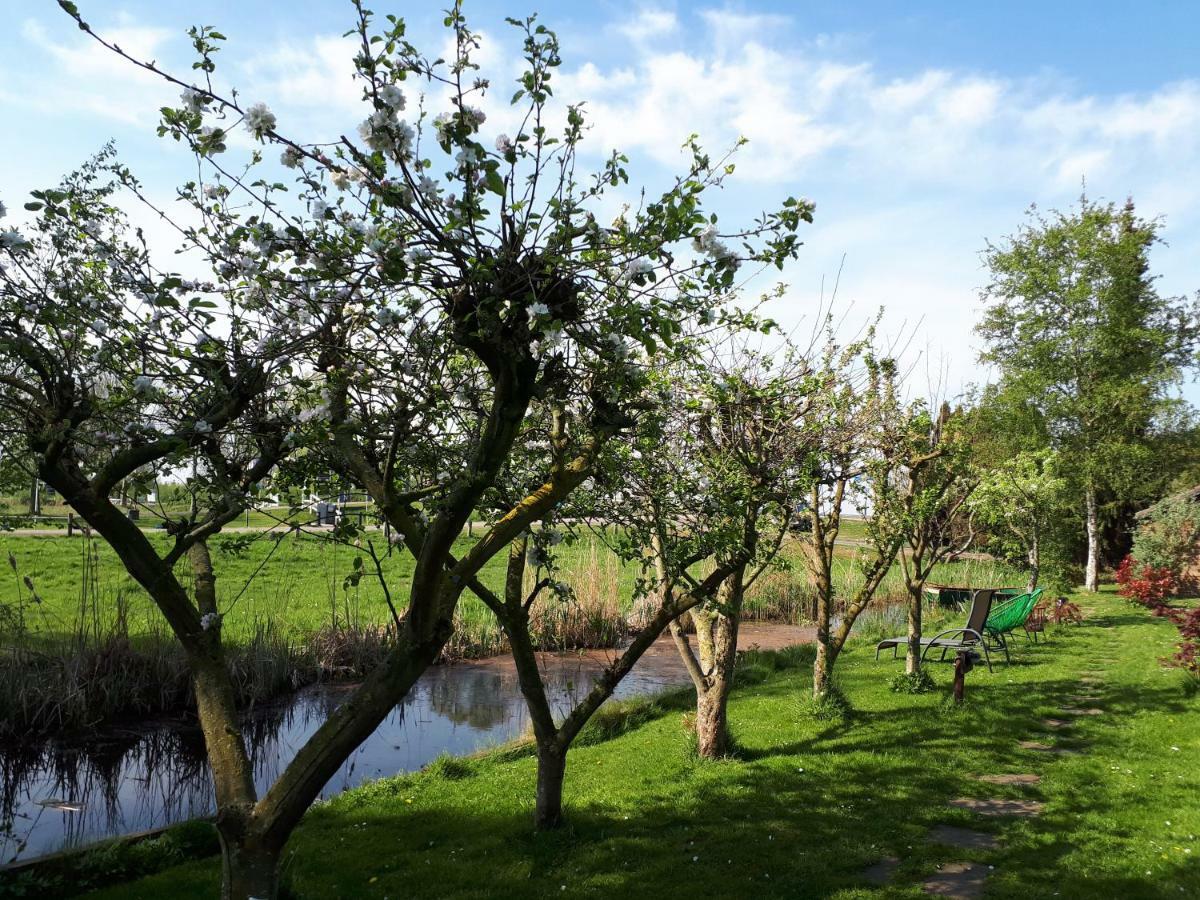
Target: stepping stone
x: 958, y: 879
x: 1038, y: 745
x: 1083, y: 698
x: 1091, y: 679
x: 963, y: 838
x: 1089, y: 711
x: 1057, y: 723
x: 1011, y: 779
x: 882, y: 871
x: 998, y: 807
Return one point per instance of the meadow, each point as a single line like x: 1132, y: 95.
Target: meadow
x: 296, y: 583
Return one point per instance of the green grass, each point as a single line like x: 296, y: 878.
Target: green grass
x: 297, y: 583
x: 810, y: 801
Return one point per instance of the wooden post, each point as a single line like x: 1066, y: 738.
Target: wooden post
x: 963, y: 664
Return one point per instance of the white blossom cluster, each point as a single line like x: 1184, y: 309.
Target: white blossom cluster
x: 708, y: 243
x: 260, y: 120
x: 383, y: 130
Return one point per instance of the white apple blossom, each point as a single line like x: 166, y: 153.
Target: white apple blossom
x: 427, y: 186
x: 319, y: 209
x: 504, y: 144
x: 143, y: 385
x: 12, y: 240
x: 467, y: 156
x: 202, y: 427
x: 707, y: 242
x: 290, y: 157
x: 194, y: 100
x: 538, y: 309
x: 213, y: 138
x: 260, y: 120
x: 636, y: 267
x: 340, y: 179
x: 392, y: 96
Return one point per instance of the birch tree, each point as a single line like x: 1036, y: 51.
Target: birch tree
x: 1081, y: 335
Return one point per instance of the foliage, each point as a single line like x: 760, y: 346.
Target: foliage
x: 1086, y: 346
x: 1024, y: 502
x: 1148, y: 585
x: 1168, y: 536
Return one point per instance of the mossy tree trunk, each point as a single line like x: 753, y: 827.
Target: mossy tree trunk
x: 717, y: 632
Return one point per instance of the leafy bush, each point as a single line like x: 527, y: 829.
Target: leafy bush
x: 1168, y: 536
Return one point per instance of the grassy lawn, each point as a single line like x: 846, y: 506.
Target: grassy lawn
x: 809, y: 803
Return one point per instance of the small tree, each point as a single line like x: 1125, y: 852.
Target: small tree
x: 1024, y: 500
x: 853, y: 458
x: 753, y: 411
x: 926, y: 498
x: 112, y: 373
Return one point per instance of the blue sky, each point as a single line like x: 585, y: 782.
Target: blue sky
x: 921, y: 130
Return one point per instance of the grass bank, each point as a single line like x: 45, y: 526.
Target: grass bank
x: 809, y: 803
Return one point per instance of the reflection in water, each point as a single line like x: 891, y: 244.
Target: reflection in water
x: 54, y: 796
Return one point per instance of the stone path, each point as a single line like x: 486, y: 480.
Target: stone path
x: 998, y: 807
x: 1046, y: 748
x: 1011, y: 779
x: 963, y: 838
x: 957, y: 879
x: 965, y: 880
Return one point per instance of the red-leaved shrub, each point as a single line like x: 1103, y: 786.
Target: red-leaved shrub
x: 1146, y: 585
x: 1151, y: 587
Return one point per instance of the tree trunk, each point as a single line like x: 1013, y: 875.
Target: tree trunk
x: 912, y: 659
x: 823, y: 664
x: 1092, y: 576
x: 247, y: 871
x: 551, y: 769
x: 712, y: 702
x: 1035, y: 564
x: 712, y: 726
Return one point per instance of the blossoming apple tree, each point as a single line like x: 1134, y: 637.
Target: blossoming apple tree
x: 435, y: 265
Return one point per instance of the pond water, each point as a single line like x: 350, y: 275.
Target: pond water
x: 56, y: 796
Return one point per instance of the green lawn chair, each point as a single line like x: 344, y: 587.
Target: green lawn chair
x: 1007, y: 616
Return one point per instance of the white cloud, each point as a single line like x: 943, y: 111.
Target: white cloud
x: 649, y: 23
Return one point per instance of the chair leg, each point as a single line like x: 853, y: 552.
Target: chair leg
x: 986, y: 656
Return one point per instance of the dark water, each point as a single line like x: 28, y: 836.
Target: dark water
x: 54, y: 796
